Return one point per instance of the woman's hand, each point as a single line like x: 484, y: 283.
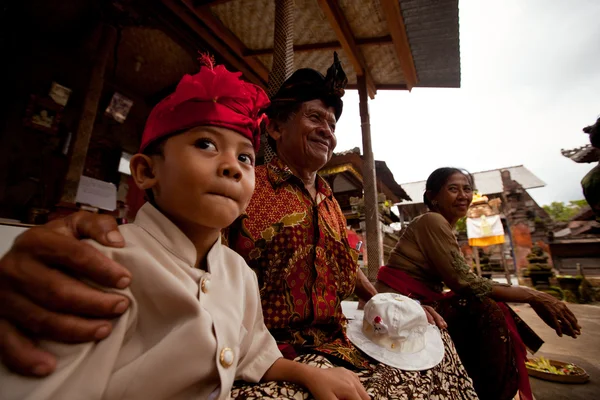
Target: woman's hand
x: 434, y: 318
x: 335, y: 383
x: 556, y: 314
x: 40, y: 299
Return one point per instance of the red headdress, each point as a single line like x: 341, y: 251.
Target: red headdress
x: 213, y: 96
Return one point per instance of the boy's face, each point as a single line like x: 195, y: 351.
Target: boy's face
x: 205, y: 177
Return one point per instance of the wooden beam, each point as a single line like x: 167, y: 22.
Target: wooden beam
x: 215, y: 43
x: 200, y: 3
x: 222, y: 32
x: 342, y: 30
x: 393, y: 15
x: 300, y: 48
x: 382, y: 86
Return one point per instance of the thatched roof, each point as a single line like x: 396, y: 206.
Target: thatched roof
x: 398, y: 44
x: 350, y: 164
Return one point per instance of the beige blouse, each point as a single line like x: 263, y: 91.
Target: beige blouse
x: 187, y: 335
x: 428, y: 251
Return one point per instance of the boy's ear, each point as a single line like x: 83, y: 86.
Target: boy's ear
x: 274, y: 129
x: 142, y: 171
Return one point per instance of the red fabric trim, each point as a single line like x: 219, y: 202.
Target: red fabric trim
x: 288, y: 351
x: 405, y: 284
x: 408, y: 286
x: 520, y: 354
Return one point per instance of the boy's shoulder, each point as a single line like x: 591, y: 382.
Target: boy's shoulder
x: 135, y: 239
x: 236, y: 263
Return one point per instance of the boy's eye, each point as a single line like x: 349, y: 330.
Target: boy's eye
x: 205, y: 144
x: 246, y: 159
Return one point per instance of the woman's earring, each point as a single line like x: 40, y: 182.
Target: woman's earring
x: 434, y: 202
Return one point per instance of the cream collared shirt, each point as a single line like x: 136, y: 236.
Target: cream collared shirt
x: 187, y: 335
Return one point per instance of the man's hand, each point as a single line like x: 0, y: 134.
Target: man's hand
x: 40, y: 298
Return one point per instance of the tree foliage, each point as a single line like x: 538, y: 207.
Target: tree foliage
x: 461, y: 225
x: 559, y: 211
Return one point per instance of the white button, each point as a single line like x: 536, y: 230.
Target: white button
x: 227, y: 357
x: 205, y: 285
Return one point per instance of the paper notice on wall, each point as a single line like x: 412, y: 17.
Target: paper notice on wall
x: 485, y: 230
x: 97, y: 193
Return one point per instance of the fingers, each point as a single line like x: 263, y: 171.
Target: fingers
x: 556, y: 324
x: 355, y: 390
x: 440, y: 321
x: 437, y: 318
x: 54, y: 248
x: 573, y: 320
x: 429, y: 316
x: 102, y: 228
x: 360, y: 389
x: 570, y: 324
x: 20, y: 355
x: 56, y: 291
x: 51, y: 325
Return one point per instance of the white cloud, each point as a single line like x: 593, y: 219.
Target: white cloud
x: 530, y: 82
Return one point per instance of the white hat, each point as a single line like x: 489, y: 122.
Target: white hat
x: 395, y: 332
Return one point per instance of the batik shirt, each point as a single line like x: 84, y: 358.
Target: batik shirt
x: 299, y: 249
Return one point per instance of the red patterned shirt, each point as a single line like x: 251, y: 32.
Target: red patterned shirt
x: 299, y: 249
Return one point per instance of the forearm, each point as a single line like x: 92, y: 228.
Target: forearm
x: 289, y: 371
x: 514, y: 294
x: 364, y: 289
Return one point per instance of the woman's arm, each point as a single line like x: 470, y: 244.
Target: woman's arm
x: 438, y: 245
x: 364, y: 289
x: 440, y: 248
x: 553, y: 312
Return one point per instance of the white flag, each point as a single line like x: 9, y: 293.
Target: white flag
x: 485, y: 231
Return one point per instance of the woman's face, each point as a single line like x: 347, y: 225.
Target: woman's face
x: 454, y: 197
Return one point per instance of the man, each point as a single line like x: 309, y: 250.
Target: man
x: 293, y: 237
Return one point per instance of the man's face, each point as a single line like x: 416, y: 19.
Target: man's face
x: 308, y: 139
x: 205, y: 177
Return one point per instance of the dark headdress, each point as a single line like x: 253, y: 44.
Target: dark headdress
x: 308, y: 84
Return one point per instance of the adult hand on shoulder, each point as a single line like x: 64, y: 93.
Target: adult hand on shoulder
x: 336, y: 383
x: 556, y: 314
x: 40, y: 298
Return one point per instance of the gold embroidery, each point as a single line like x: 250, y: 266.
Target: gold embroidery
x: 479, y: 286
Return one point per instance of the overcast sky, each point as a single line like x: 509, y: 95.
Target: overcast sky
x: 530, y: 82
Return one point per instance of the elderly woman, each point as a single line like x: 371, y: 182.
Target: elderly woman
x: 486, y: 332
x: 293, y: 235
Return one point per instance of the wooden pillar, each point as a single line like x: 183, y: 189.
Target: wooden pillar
x: 374, y: 237
x: 505, y: 265
x: 283, y: 45
x: 108, y: 36
x: 283, y: 61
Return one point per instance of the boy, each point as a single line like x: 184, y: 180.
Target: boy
x: 195, y: 323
